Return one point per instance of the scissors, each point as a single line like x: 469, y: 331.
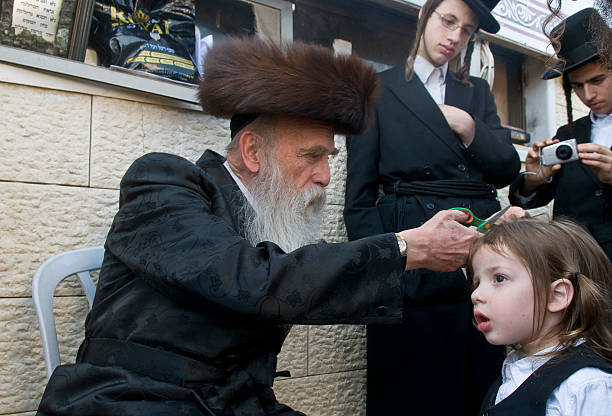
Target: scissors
x: 481, y: 225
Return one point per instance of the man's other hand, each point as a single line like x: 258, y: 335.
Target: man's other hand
x: 599, y: 159
x: 441, y: 244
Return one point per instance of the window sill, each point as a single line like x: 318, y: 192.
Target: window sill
x: 25, y: 67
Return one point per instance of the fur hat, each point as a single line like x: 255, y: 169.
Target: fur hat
x: 248, y: 76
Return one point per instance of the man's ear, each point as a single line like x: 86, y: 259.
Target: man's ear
x: 561, y: 295
x: 420, y: 12
x: 250, y: 151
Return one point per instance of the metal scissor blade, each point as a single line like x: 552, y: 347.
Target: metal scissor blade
x: 498, y: 215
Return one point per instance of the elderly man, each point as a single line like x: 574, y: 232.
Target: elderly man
x: 207, y: 264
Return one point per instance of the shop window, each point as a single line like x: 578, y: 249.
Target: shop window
x: 53, y: 27
x: 508, y: 87
x: 60, y: 28
x: 377, y: 34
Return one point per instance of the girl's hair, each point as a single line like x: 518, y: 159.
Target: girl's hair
x: 560, y: 249
x: 463, y: 73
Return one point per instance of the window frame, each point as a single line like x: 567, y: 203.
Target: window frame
x: 132, y: 80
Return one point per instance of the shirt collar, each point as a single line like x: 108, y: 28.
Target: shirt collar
x: 423, y: 68
x: 243, y: 188
x: 600, y: 118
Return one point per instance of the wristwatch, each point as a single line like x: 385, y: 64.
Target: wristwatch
x: 401, y: 244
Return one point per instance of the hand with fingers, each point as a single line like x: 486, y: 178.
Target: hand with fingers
x: 535, y: 173
x: 599, y: 159
x: 460, y: 122
x: 440, y: 244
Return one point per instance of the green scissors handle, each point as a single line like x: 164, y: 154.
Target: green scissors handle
x: 473, y: 221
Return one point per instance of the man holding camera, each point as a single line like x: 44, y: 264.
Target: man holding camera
x: 577, y: 177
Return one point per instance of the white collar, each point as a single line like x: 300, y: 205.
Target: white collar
x: 600, y: 118
x: 423, y: 68
x: 243, y: 188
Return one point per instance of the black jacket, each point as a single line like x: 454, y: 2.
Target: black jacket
x: 409, y: 141
x: 577, y: 191
x: 189, y: 317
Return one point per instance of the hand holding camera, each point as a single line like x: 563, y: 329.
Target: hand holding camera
x: 535, y: 172
x: 558, y: 153
x: 598, y: 158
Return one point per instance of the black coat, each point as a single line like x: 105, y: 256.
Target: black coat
x: 189, y: 317
x: 410, y: 140
x: 577, y: 191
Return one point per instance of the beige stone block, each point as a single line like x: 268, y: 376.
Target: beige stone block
x: 333, y: 229
x: 294, y: 354
x: 22, y: 414
x: 44, y: 135
x: 117, y: 139
x: 21, y: 348
x: 336, y: 348
x: 338, y: 394
x: 122, y: 131
x: 40, y: 221
x: 337, y: 166
x: 183, y: 133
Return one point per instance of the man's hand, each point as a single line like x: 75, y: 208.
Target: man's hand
x: 599, y: 159
x: 541, y: 174
x: 460, y: 122
x: 441, y: 244
x: 513, y: 213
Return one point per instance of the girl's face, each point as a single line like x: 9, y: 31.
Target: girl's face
x: 503, y: 299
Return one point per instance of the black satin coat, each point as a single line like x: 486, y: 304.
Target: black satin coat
x: 189, y: 317
x: 577, y: 191
x: 410, y: 140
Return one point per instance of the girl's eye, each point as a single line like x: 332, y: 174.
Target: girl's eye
x: 500, y: 278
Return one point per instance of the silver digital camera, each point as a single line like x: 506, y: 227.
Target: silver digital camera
x: 561, y: 152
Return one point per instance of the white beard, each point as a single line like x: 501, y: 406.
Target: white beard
x: 286, y: 216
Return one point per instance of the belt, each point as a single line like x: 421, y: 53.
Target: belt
x: 442, y: 188
x: 153, y: 362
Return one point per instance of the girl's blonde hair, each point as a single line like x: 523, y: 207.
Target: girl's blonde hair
x: 561, y: 249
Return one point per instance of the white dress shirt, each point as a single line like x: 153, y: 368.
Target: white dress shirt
x: 586, y: 392
x: 243, y: 188
x: 601, y: 130
x: 433, y: 78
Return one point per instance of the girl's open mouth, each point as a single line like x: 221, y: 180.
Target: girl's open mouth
x: 483, y: 322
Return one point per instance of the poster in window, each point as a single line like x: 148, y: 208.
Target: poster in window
x: 54, y: 27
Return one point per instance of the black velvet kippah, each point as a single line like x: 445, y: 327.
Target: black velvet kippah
x: 238, y: 121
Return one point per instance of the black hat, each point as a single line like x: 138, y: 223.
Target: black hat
x: 482, y: 9
x: 577, y: 44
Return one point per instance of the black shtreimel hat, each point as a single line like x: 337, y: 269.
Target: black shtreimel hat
x: 577, y: 43
x: 482, y: 9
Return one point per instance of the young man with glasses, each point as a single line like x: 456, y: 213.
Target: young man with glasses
x: 436, y: 143
x: 581, y: 189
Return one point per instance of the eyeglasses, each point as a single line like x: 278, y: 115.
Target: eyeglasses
x: 450, y: 23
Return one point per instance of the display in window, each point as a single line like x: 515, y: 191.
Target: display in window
x: 39, y: 25
x: 40, y: 17
x: 157, y: 37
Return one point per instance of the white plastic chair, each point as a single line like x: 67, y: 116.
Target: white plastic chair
x: 46, y: 278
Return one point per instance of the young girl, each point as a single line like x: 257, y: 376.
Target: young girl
x: 543, y: 289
